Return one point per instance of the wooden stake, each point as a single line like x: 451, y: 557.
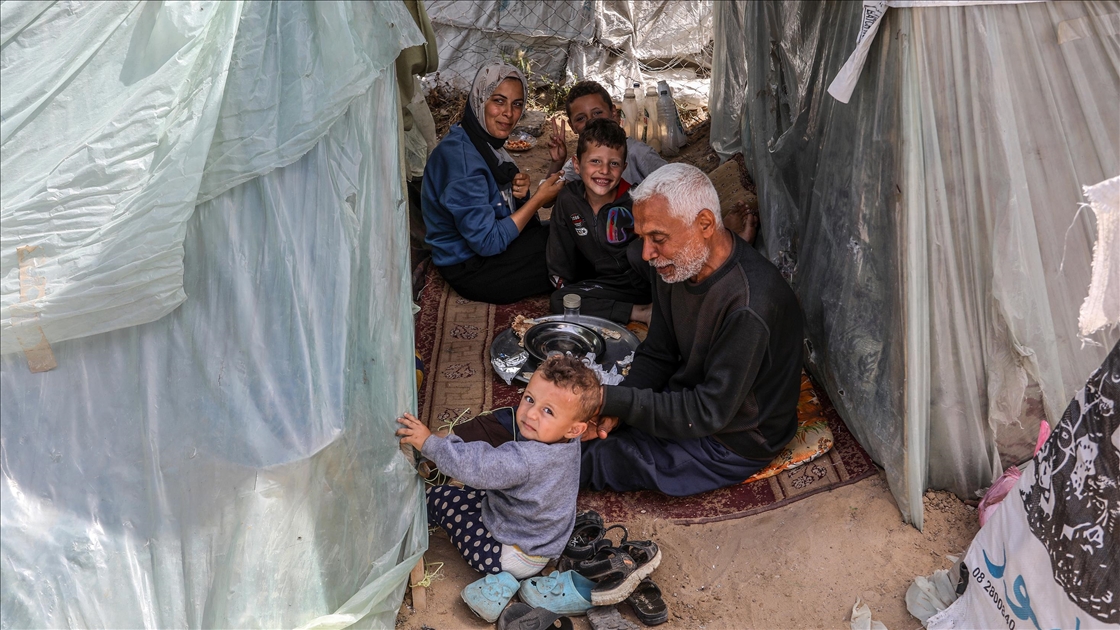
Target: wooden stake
x: 419, y: 593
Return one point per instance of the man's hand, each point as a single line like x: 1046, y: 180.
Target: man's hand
x: 599, y: 428
x: 521, y: 185
x: 557, y: 143
x: 413, y: 432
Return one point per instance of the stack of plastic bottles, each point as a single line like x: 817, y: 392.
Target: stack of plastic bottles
x: 654, y: 118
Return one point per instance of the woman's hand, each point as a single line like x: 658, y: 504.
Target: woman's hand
x: 521, y: 185
x: 413, y: 432
x: 544, y: 196
x: 548, y: 190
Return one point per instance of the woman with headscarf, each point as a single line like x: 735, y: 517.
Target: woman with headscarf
x: 486, y: 239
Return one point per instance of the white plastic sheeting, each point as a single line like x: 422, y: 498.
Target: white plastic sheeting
x: 233, y: 463
x: 930, y: 226
x: 1101, y: 307
x: 116, y: 116
x: 873, y: 10
x: 612, y: 41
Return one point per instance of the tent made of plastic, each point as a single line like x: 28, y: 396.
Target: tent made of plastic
x: 931, y: 223
x: 615, y: 42
x: 205, y: 315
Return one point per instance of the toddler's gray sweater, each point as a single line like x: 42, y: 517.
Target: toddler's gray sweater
x: 531, y: 487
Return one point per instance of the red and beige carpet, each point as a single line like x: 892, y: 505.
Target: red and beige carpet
x: 453, y: 337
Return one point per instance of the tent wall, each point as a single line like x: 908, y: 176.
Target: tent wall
x: 611, y: 41
x: 233, y: 463
x: 930, y: 226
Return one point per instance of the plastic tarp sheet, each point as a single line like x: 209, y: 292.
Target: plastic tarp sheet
x: 604, y: 41
x: 930, y: 225
x: 231, y: 464
x: 1101, y: 307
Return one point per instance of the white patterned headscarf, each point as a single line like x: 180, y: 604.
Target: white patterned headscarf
x: 488, y: 78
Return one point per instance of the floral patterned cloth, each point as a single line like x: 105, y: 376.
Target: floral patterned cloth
x: 813, y: 437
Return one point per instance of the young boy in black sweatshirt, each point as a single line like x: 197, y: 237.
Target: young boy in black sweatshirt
x: 589, y: 244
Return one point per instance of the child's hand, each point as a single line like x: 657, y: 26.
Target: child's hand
x: 557, y: 142
x: 413, y: 432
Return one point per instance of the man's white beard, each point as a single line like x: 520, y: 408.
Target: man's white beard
x: 687, y: 264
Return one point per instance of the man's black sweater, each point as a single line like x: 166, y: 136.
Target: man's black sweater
x: 722, y: 359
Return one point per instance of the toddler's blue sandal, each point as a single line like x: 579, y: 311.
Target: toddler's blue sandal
x: 488, y: 596
x: 567, y: 593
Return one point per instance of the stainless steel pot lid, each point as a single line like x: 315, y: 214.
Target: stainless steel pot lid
x: 552, y: 337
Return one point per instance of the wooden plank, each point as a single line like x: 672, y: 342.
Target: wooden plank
x: 419, y: 593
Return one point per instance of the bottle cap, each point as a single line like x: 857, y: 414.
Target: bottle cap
x: 651, y: 91
x: 629, y: 93
x: 572, y: 300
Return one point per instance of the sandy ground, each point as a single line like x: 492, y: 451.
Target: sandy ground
x: 800, y: 566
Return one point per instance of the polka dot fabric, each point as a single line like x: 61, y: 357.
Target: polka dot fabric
x: 459, y: 512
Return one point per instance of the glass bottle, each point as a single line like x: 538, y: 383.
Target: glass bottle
x: 571, y: 307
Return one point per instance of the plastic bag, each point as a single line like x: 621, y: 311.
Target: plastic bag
x: 861, y: 618
x: 928, y: 596
x: 520, y: 141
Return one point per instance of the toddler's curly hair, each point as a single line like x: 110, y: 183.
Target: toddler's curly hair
x: 564, y: 370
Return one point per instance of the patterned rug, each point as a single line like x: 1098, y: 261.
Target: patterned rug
x: 453, y: 337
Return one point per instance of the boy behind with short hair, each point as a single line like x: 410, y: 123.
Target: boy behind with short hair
x: 519, y: 506
x: 589, y: 252
x: 587, y: 101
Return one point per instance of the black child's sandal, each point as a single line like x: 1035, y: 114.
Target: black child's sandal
x: 648, y: 604
x: 586, y: 533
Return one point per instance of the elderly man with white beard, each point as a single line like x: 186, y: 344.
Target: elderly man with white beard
x: 711, y: 396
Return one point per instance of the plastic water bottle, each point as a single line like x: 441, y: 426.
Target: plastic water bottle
x: 653, y: 127
x: 571, y: 307
x: 630, y: 111
x: 668, y: 127
x: 640, y: 117
x: 680, y: 138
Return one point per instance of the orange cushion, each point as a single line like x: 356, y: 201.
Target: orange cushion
x: 813, y: 437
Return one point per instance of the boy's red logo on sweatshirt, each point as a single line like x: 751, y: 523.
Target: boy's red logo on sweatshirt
x: 577, y: 221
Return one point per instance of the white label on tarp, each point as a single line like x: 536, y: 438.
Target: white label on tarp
x: 844, y: 84
x: 873, y: 11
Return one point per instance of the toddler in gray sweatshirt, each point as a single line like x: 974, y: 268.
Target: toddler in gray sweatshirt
x: 518, y: 506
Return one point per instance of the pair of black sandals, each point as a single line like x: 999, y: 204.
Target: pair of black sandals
x: 620, y: 572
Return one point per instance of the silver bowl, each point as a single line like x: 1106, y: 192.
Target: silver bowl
x: 549, y: 338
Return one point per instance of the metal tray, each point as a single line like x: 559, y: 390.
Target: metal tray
x: 505, y: 344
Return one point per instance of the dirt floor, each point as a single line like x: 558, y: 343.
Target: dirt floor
x: 800, y: 566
